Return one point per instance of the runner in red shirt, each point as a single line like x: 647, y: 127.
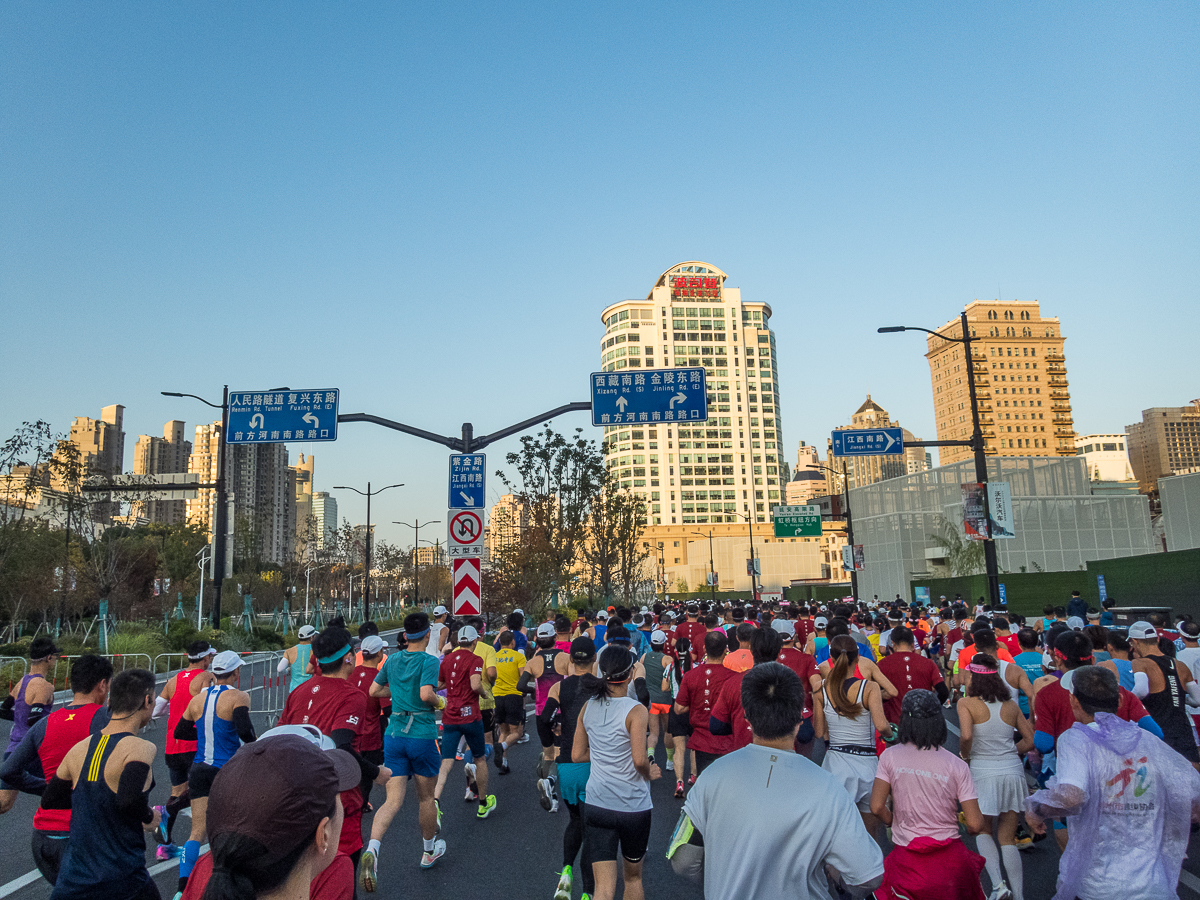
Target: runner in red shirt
x: 176, y: 694
x: 47, y: 743
x: 805, y: 665
x: 329, y: 701
x: 461, y: 674
x: 728, y: 718
x: 907, y: 670
x: 694, y: 630
x: 698, y: 693
x: 373, y: 653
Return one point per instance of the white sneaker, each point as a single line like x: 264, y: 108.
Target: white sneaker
x: 524, y: 739
x: 429, y: 857
x: 670, y: 765
x: 545, y: 793
x: 1000, y: 892
x: 554, y: 806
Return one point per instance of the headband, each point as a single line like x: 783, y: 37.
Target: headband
x: 1058, y: 654
x: 618, y: 677
x: 415, y: 635
x: 980, y: 669
x: 333, y: 657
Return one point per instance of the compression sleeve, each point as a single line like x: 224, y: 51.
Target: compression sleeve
x: 343, y: 739
x: 283, y: 666
x: 1146, y: 723
x: 37, y: 712
x: 1193, y: 692
x: 717, y: 727
x: 1043, y: 741
x: 546, y: 716
x: 185, y: 730
x: 57, y: 794
x: 241, y: 721
x: 943, y: 692
x: 523, y: 683
x: 642, y: 692
x: 162, y: 706
x: 131, y: 792
x: 1141, y: 685
x: 6, y: 708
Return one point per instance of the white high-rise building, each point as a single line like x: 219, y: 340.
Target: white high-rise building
x: 723, y: 470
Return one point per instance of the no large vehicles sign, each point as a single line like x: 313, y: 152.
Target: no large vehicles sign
x: 465, y: 533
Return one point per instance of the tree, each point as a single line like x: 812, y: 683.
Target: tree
x: 23, y: 460
x: 964, y: 557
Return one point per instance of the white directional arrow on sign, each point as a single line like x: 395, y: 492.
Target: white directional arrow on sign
x: 467, y: 498
x: 311, y: 420
x: 257, y: 417
x: 621, y: 403
x: 678, y: 398
x: 891, y: 440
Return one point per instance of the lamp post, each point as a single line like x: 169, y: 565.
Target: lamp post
x: 416, y: 527
x: 849, y: 526
x: 753, y: 577
x: 367, y: 568
x: 205, y: 556
x: 220, y: 513
x: 712, y: 572
x: 307, y: 573
x: 662, y: 567
x: 975, y: 443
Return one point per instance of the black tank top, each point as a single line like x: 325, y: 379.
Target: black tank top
x: 1166, y: 707
x: 106, y: 852
x: 570, y: 702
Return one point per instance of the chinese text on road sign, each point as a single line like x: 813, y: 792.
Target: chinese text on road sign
x: 270, y: 417
x: 468, y: 476
x: 650, y: 395
x: 464, y: 533
x: 868, y: 441
x: 797, y: 521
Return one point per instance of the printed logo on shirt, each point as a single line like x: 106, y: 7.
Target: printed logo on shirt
x: 1130, y: 771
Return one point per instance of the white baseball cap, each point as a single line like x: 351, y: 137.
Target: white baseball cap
x: 440, y: 610
x: 1143, y: 631
x: 373, y: 644
x: 602, y: 615
x: 546, y: 629
x: 1075, y: 623
x: 305, y: 632
x: 820, y: 621
x: 658, y: 637
x: 467, y: 633
x: 226, y: 662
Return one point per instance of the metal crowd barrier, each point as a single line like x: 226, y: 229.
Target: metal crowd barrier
x: 259, y: 678
x: 120, y: 662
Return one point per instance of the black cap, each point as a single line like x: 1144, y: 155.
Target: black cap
x: 43, y: 647
x: 583, y: 648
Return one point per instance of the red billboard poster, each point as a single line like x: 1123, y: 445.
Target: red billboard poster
x: 975, y: 518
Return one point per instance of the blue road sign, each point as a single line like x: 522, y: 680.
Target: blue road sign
x: 468, y: 475
x: 269, y: 417
x: 649, y: 395
x: 1003, y: 595
x: 868, y: 442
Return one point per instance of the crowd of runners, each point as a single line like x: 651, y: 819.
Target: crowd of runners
x: 1067, y: 724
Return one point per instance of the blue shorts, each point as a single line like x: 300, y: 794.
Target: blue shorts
x: 472, y: 731
x: 572, y: 781
x: 412, y: 756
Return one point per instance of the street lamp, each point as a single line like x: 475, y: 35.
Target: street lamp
x: 975, y: 443
x: 219, y: 517
x: 712, y: 576
x: 753, y: 577
x: 849, y: 526
x: 367, y: 571
x: 662, y: 566
x: 417, y: 526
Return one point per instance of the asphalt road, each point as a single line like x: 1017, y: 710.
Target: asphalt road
x: 517, y: 850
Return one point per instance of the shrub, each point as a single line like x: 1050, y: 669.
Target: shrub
x: 147, y: 642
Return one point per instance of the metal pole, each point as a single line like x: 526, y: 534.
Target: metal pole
x: 306, y: 574
x: 221, y: 513
x: 850, y: 537
x: 753, y: 575
x: 989, y: 545
x: 367, y: 572
x: 712, y: 570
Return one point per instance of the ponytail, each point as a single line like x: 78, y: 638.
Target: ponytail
x: 238, y: 871
x: 683, y: 655
x: 844, y: 652
x: 616, y: 664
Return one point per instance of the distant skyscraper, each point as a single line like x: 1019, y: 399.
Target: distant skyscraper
x: 162, y: 456
x: 699, y: 472
x: 1020, y: 379
x: 101, y: 442
x: 864, y: 470
x: 325, y: 512
x: 1165, y: 442
x: 302, y: 474
x: 508, y: 518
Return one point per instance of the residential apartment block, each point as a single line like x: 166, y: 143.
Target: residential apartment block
x: 164, y: 455
x: 1165, y: 442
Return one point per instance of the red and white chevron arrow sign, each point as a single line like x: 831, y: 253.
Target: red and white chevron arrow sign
x: 466, y: 589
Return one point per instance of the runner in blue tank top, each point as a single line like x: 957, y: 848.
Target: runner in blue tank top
x: 218, y: 720
x: 298, y: 658
x: 105, y: 781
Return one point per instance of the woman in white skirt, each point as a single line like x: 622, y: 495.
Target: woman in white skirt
x: 988, y: 716
x: 847, y: 713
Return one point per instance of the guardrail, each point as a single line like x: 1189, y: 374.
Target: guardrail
x: 12, y: 670
x: 120, y: 662
x: 268, y: 689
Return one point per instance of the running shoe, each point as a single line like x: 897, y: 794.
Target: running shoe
x: 472, y: 788
x: 524, y: 739
x: 168, y: 851
x: 1000, y: 892
x: 429, y: 857
x: 691, y: 780
x: 563, y: 892
x: 160, y: 832
x: 670, y: 764
x: 679, y: 790
x: 368, y: 871
x: 554, y: 806
x: 486, y: 808
x: 502, y: 766
x: 545, y: 789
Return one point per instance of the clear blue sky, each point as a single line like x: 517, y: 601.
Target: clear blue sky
x: 428, y: 205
